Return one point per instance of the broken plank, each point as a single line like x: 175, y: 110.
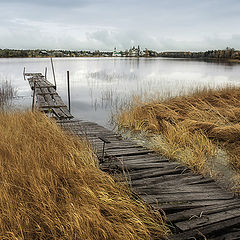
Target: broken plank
x: 209, y: 219
x: 66, y: 112
x: 58, y: 113
x: 214, y: 229
x: 202, y: 211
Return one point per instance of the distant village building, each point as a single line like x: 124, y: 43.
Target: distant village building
x: 43, y: 53
x: 116, y: 54
x: 134, y: 52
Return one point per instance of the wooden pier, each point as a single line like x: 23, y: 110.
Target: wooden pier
x: 47, y: 98
x: 195, y: 207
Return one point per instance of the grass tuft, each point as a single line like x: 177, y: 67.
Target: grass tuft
x: 192, y: 128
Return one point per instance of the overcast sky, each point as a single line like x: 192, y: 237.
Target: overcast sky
x: 104, y: 24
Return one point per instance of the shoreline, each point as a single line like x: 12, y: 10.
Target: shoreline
x: 234, y: 61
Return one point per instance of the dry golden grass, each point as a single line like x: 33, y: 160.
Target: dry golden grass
x: 51, y: 188
x: 190, y: 128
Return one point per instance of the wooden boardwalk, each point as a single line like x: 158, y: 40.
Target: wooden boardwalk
x: 47, y: 98
x: 196, y: 207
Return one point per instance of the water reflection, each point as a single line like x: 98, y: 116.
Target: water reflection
x: 101, y: 85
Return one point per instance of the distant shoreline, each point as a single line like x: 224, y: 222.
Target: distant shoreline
x: 119, y: 57
x: 226, y: 55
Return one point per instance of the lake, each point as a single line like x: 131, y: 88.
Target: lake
x: 100, y: 85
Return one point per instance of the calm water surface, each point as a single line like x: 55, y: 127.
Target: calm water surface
x: 99, y: 85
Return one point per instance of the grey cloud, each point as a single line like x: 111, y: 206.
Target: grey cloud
x: 124, y: 40
x: 104, y: 24
x: 49, y: 3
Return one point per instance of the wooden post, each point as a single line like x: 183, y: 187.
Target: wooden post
x: 103, y: 150
x: 24, y: 71
x: 45, y: 75
x: 53, y: 74
x: 34, y: 91
x: 69, y: 99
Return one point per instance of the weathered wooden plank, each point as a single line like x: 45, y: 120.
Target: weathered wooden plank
x: 45, y: 86
x: 176, y: 186
x: 38, y: 92
x: 52, y: 90
x: 144, y: 166
x: 68, y: 122
x: 51, y: 106
x: 96, y: 131
x: 146, y: 158
x: 127, y: 152
x: 120, y: 148
x: 58, y: 113
x: 209, y: 219
x: 208, y: 231
x: 48, y: 99
x: 155, y: 173
x: 115, y: 145
x: 202, y: 211
x: 99, y: 145
x: 33, y: 74
x: 183, y: 197
x: 48, y: 83
x: 66, y: 112
x: 41, y: 101
x: 174, y: 180
x: 181, y: 204
x: 43, y: 83
x: 175, y: 208
x: 172, y: 207
x: 58, y: 100
x: 180, y: 189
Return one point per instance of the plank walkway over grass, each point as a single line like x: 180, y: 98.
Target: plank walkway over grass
x: 196, y: 207
x: 47, y: 98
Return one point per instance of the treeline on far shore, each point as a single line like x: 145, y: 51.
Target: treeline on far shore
x: 228, y: 53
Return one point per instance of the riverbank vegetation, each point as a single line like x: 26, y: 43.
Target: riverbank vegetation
x: 196, y: 129
x: 228, y: 54
x: 6, y: 93
x: 221, y: 55
x: 52, y: 188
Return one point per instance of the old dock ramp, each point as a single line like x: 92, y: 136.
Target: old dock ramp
x: 47, y: 99
x: 195, y: 206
